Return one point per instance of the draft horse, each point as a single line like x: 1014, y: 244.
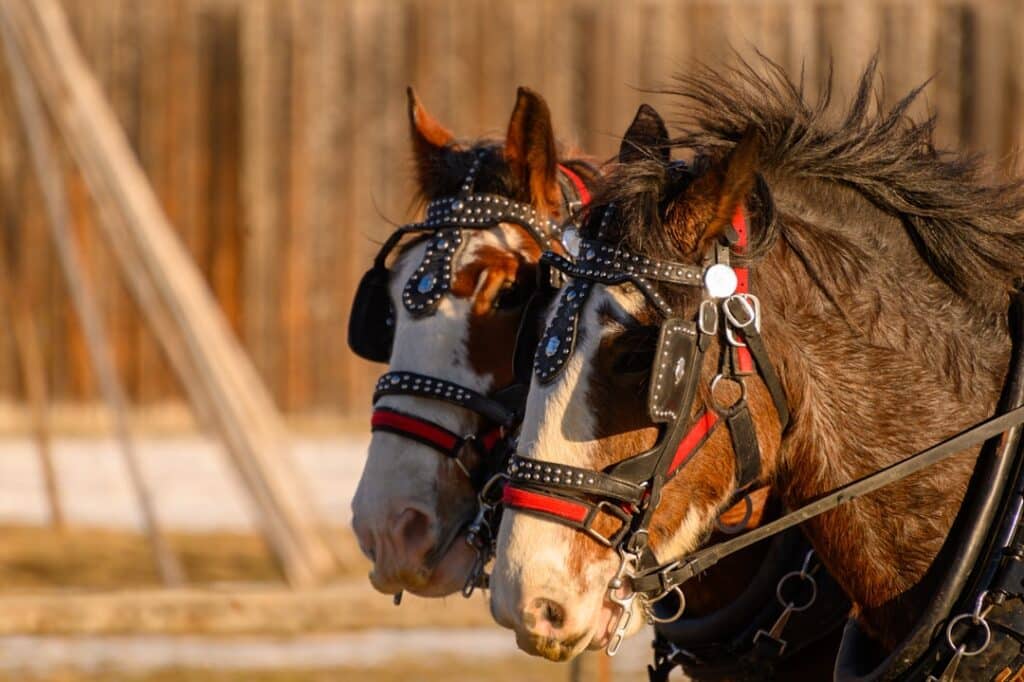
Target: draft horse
x: 466, y: 325
x: 813, y: 298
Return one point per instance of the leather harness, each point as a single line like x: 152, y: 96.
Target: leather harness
x: 371, y: 332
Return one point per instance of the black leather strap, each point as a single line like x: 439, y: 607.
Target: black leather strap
x: 697, y: 563
x: 570, y: 479
x: 412, y: 383
x: 745, y: 447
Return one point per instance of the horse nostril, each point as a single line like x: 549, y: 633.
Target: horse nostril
x: 550, y: 611
x: 414, y: 525
x: 413, y: 532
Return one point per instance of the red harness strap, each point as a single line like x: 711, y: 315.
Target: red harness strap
x: 581, y: 188
x: 694, y: 439
x: 519, y: 498
x: 417, y: 429
x: 427, y: 432
x: 744, y: 361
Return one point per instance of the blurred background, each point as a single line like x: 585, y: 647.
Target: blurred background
x: 274, y: 135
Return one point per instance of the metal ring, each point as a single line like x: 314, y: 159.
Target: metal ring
x: 731, y: 409
x: 675, y: 616
x: 803, y: 576
x: 733, y: 528
x: 492, y: 481
x: 976, y: 621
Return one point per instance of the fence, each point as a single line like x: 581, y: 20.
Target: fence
x: 275, y: 135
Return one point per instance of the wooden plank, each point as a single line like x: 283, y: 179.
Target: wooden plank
x: 263, y: 47
x: 953, y: 25
x: 294, y: 310
x: 170, y: 291
x: 46, y: 165
x: 236, y: 610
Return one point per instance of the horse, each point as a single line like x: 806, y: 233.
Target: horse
x: 460, y: 280
x: 847, y: 284
x: 728, y: 584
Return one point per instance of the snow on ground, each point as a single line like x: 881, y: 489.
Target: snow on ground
x: 193, y: 482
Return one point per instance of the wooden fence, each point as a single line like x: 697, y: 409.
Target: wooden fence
x: 275, y: 135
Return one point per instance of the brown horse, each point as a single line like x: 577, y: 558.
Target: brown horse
x: 882, y: 271
x: 412, y: 505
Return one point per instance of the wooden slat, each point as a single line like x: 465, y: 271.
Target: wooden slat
x: 169, y: 290
x: 274, y: 134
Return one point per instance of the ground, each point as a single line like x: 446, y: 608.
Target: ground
x: 356, y: 634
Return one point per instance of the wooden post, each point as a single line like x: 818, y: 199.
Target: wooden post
x: 33, y: 373
x: 170, y: 291
x: 51, y: 182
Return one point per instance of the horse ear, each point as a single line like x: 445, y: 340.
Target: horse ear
x: 646, y: 137
x: 530, y: 149
x: 705, y: 210
x: 429, y: 138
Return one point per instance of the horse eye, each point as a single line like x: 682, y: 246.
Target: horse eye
x: 638, y: 351
x: 510, y: 297
x: 634, y: 361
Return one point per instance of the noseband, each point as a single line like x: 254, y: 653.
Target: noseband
x: 628, y: 491
x: 372, y: 327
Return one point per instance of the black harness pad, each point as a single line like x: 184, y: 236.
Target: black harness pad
x: 371, y: 326
x: 674, y: 375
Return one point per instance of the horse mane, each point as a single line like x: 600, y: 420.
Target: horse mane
x: 967, y: 229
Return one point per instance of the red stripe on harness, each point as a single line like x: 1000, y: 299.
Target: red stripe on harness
x: 577, y: 181
x: 518, y: 498
x: 415, y: 427
x: 693, y: 439
x: 744, y: 359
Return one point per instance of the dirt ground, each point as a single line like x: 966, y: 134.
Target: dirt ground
x: 518, y: 669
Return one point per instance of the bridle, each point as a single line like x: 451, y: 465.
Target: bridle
x: 628, y: 491
x: 372, y: 327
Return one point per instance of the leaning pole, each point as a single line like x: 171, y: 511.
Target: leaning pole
x: 222, y: 384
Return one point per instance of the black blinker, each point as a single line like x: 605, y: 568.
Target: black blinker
x: 371, y: 325
x: 532, y: 325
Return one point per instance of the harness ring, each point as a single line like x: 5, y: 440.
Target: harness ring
x: 727, y: 410
x: 976, y: 620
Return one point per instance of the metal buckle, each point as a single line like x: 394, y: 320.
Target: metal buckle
x: 611, y: 509
x: 707, y: 319
x: 751, y: 310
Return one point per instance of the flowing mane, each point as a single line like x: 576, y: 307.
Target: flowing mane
x: 968, y: 230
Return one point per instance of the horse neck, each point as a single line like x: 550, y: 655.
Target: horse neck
x: 880, y: 359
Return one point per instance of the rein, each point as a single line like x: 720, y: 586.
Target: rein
x: 371, y: 336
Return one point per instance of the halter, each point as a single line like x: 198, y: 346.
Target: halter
x: 371, y: 333
x: 628, y: 492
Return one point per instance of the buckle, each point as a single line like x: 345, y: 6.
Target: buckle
x: 611, y: 509
x: 748, y: 313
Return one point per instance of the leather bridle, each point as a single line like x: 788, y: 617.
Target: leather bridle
x: 628, y: 491
x: 371, y: 336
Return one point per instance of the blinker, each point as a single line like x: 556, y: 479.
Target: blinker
x: 371, y: 326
